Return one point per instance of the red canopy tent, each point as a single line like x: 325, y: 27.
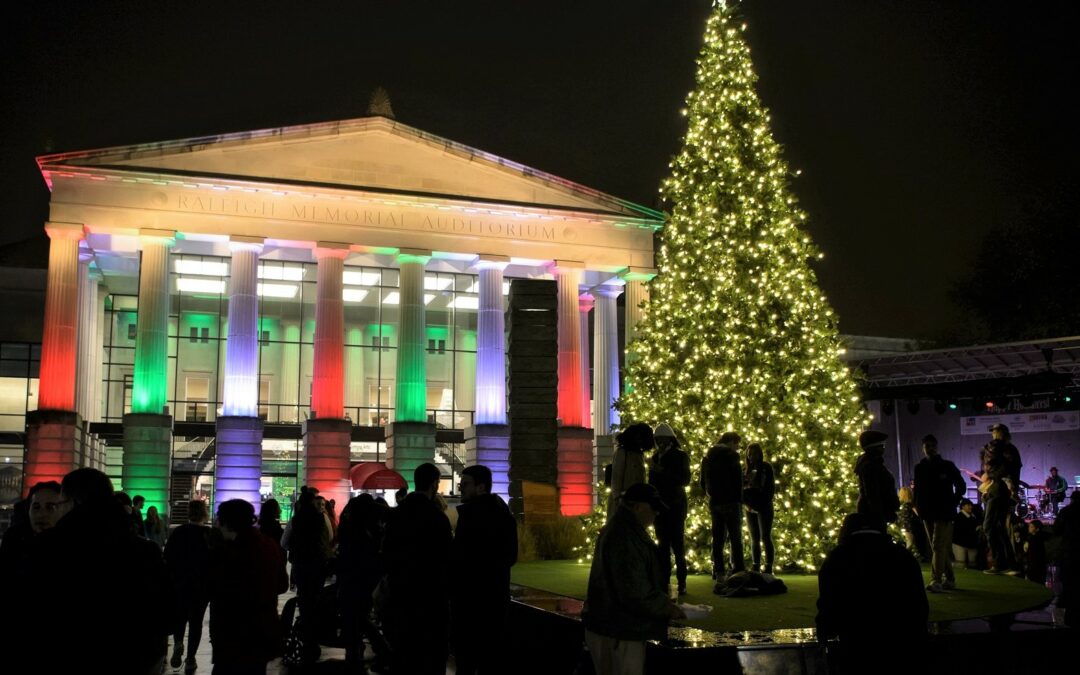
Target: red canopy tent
x: 375, y: 476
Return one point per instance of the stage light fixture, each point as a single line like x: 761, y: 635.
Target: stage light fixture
x: 939, y: 407
x: 913, y: 406
x: 953, y: 405
x: 989, y: 404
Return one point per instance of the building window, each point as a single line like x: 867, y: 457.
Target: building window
x: 436, y: 346
x: 264, y: 394
x: 199, y: 335
x: 196, y: 396
x: 376, y: 341
x: 264, y: 337
x: 193, y: 336
x: 132, y: 331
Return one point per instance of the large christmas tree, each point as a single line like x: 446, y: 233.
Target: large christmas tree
x: 737, y: 336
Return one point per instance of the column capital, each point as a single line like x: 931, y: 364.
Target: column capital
x: 558, y: 265
x: 94, y: 272
x: 637, y: 274
x: 239, y: 242
x: 331, y: 249
x: 487, y: 261
x: 608, y: 290
x: 64, y: 231
x: 415, y: 255
x: 156, y: 236
x: 586, y: 302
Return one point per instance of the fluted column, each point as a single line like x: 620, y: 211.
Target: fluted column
x: 53, y: 433
x: 151, y: 336
x: 490, y: 345
x: 327, y: 434
x: 636, y: 294
x: 575, y: 439
x: 410, y: 399
x: 60, y: 332
x: 148, y: 428
x: 585, y: 305
x: 410, y: 439
x: 238, y: 468
x: 606, y: 358
x: 568, y: 278
x: 328, y: 373
x: 87, y: 334
x: 241, y: 389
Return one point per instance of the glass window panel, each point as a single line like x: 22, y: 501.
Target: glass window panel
x: 12, y: 395
x: 465, y: 377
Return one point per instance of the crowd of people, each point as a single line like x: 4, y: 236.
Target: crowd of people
x: 85, y: 564
x: 413, y: 588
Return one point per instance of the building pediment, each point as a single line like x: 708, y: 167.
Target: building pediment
x: 370, y: 153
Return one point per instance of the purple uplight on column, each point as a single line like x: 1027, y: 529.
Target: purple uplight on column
x: 606, y: 358
x: 238, y: 468
x: 241, y: 396
x: 490, y: 346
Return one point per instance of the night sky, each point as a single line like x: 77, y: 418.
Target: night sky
x: 918, y: 126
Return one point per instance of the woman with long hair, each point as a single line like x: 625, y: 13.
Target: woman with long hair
x: 154, y: 528
x: 759, y: 485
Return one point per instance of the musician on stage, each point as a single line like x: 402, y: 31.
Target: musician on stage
x: 1001, y: 466
x: 1056, y: 487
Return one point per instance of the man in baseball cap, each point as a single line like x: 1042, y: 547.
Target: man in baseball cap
x: 669, y: 472
x: 627, y: 602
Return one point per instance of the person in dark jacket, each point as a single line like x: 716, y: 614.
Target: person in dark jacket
x: 485, y: 548
x: 247, y: 573
x: 187, y: 557
x: 669, y: 473
x: 416, y: 546
x: 721, y: 478
x: 310, y: 553
x: 628, y: 464
x: 93, y: 564
x: 870, y: 595
x: 1034, y: 546
x: 877, y: 488
x: 40, y: 511
x: 966, y: 535
x: 758, y: 488
x: 939, y: 487
x: 1067, y: 526
x: 626, y: 603
x: 359, y: 569
x: 270, y: 519
x: 1001, y: 467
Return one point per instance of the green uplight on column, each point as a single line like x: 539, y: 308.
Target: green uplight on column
x: 410, y: 401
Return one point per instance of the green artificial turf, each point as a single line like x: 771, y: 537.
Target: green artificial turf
x: 978, y: 595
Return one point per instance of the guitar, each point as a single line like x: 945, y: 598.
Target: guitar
x: 984, y: 481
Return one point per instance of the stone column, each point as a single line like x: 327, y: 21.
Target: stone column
x: 328, y: 371
x: 53, y: 433
x: 488, y: 441
x: 636, y: 294
x: 327, y: 434
x: 586, y: 302
x: 410, y: 440
x: 238, y: 468
x: 148, y: 428
x: 490, y: 343
x: 87, y: 334
x: 575, y: 439
x: 606, y: 359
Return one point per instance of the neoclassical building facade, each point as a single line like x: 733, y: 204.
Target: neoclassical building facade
x: 295, y: 301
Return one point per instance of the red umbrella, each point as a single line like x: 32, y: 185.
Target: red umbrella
x: 375, y: 476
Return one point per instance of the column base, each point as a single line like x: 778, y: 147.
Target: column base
x: 408, y: 445
x: 327, y: 445
x: 489, y: 444
x: 575, y: 462
x: 54, y: 445
x: 147, y: 458
x: 238, y: 465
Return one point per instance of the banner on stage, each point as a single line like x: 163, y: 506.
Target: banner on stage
x: 1064, y: 420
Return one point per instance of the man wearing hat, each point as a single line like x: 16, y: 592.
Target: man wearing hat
x: 669, y: 472
x: 1001, y: 466
x: 627, y: 602
x: 877, y: 488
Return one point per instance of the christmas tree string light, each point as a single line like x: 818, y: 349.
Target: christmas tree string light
x: 736, y: 334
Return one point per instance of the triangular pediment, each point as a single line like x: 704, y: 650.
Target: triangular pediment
x: 372, y: 153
